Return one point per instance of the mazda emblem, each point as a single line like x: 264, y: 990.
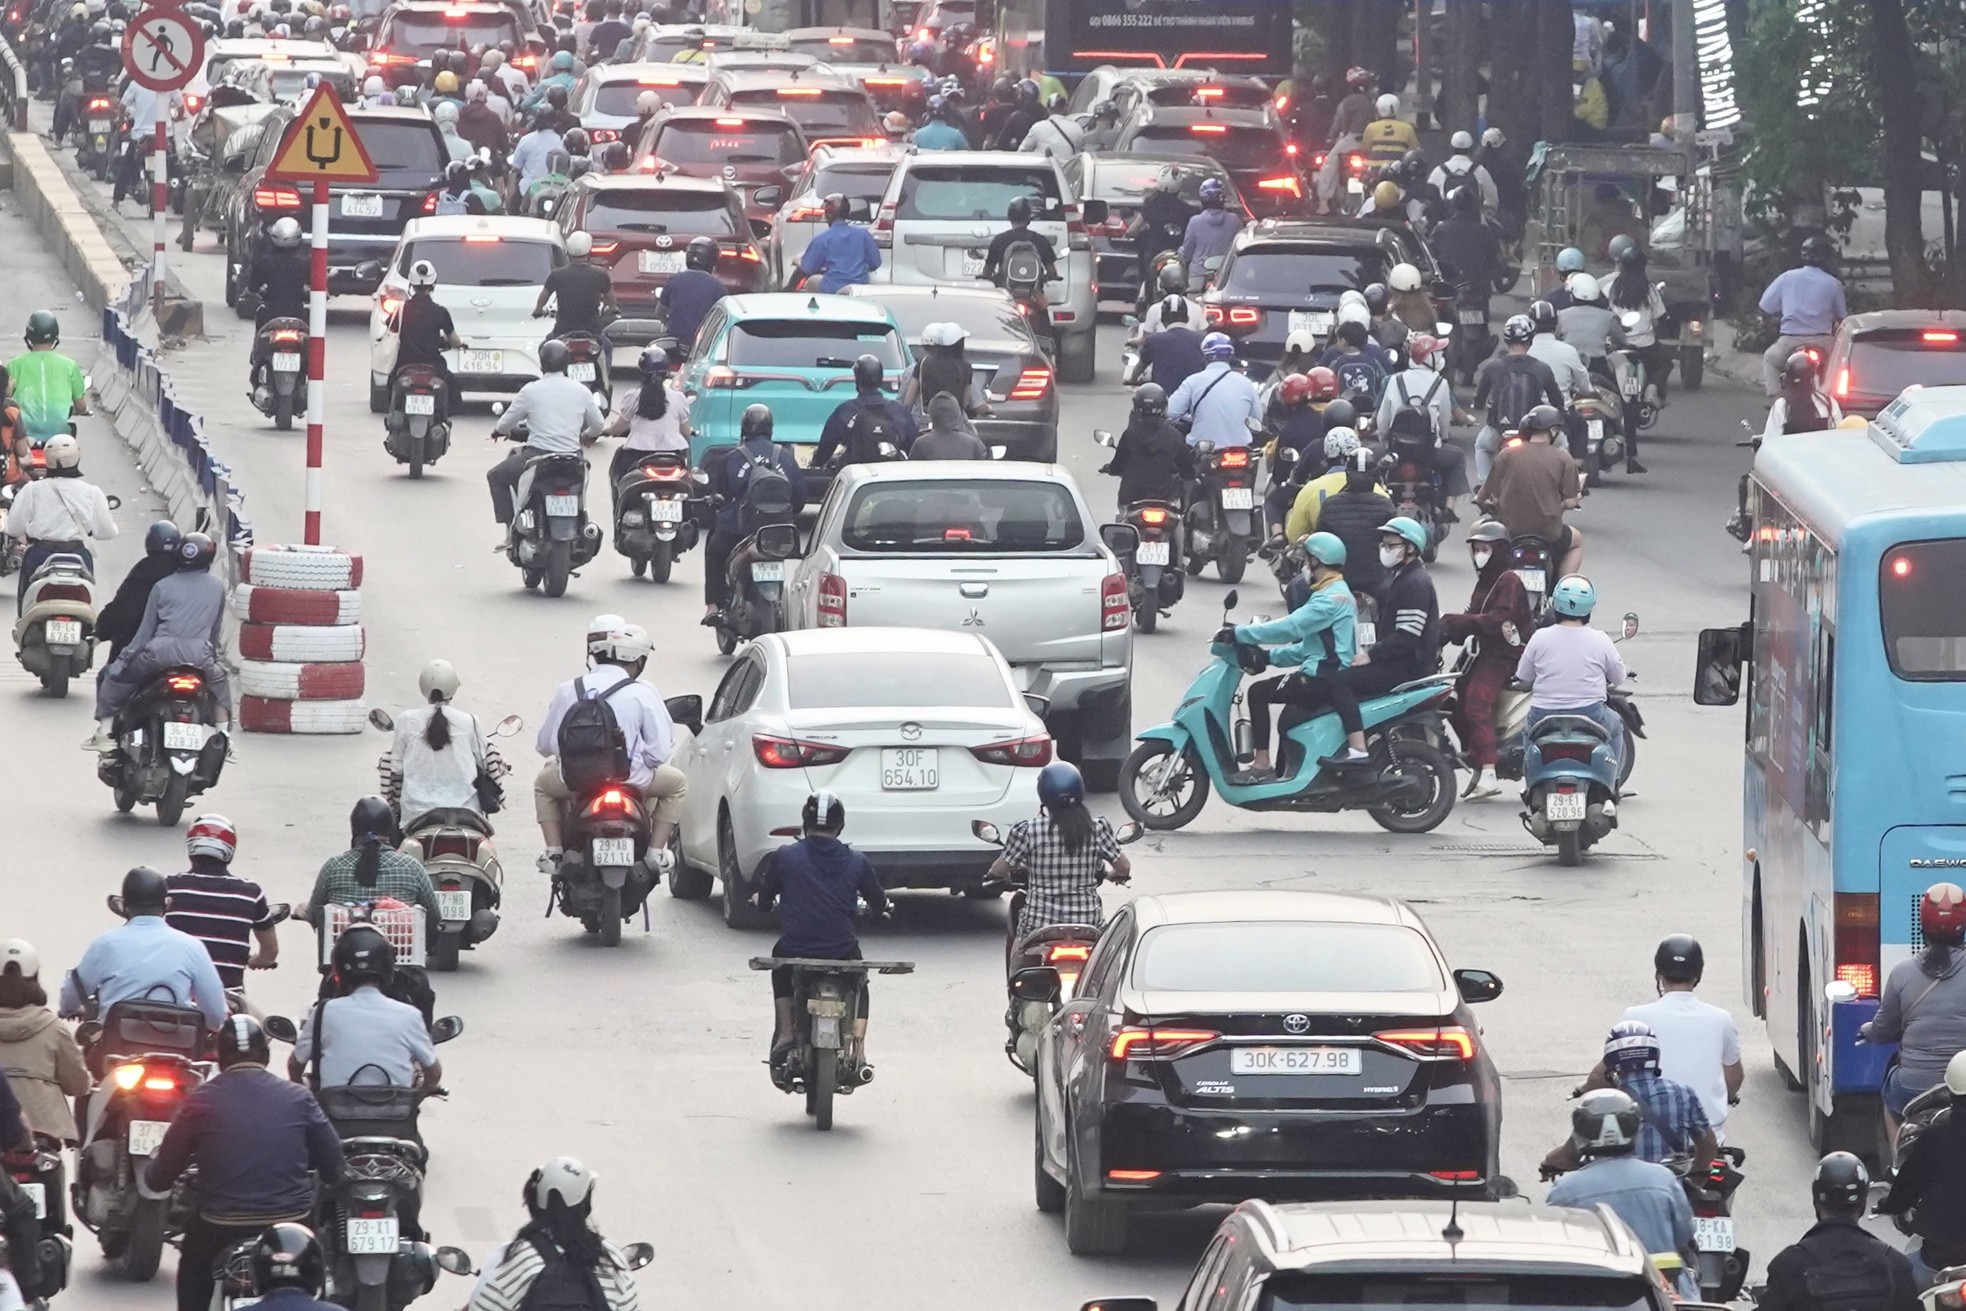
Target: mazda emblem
x: 911, y: 732
x: 1296, y: 1024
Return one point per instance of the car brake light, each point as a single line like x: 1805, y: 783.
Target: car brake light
x: 268, y: 197
x: 884, y: 81
x: 1235, y: 457
x: 1939, y: 338
x: 430, y: 203
x: 1154, y: 516
x: 1857, y: 941
x: 832, y: 601
x: 884, y: 226
x: 1031, y: 385
x: 184, y: 682
x: 1076, y: 235
x: 1139, y: 1044
x: 1455, y: 1176
x: 1449, y: 1042
x: 720, y: 376
x: 1207, y: 129
x: 658, y: 81
x: 603, y: 135
x: 1242, y: 316
x: 126, y: 1077
x: 1207, y: 93
x: 1843, y: 382
x: 805, y: 214
x: 482, y: 239
x: 1131, y: 1176
x: 605, y: 247
x: 384, y: 58
x: 1029, y: 752
x: 1290, y: 149
x: 1115, y: 612
x: 745, y: 251
x: 791, y: 753
x: 733, y: 122
x: 1284, y: 183
x: 802, y: 92
x: 390, y: 305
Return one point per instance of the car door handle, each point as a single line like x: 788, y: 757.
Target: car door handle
x: 974, y: 591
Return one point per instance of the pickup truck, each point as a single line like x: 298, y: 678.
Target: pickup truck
x: 1006, y: 550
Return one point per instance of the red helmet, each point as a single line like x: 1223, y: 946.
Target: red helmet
x: 1324, y: 383
x: 1297, y: 389
x: 1359, y: 77
x: 1942, y: 914
x: 211, y: 835
x: 1421, y: 345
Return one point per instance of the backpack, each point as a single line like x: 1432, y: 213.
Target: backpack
x: 1358, y: 375
x: 559, y: 1285
x: 764, y: 493
x: 1854, y: 1279
x: 1413, y: 421
x: 1022, y: 265
x: 870, y: 426
x: 1517, y: 391
x: 593, y: 750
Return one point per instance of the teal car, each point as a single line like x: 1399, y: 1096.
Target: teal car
x: 792, y: 351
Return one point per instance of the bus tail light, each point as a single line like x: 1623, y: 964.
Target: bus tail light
x: 1856, y: 944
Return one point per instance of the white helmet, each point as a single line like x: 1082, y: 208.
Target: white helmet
x: 1340, y: 444
x: 647, y: 102
x: 477, y: 92
x: 1351, y: 297
x: 579, y: 245
x: 1303, y: 341
x: 562, y: 1177
x: 445, y: 113
x: 1354, y: 312
x: 63, y: 452
x: 1956, y: 1075
x: 1404, y: 277
x: 600, y: 631
x: 423, y: 274
x: 1493, y: 138
x: 1584, y: 288
x: 285, y: 232
x: 374, y: 86
x: 625, y: 645
x: 212, y: 835
x: 1388, y: 105
x: 438, y: 677
x: 944, y: 334
x: 1462, y: 141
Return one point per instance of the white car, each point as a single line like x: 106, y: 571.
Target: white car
x: 489, y: 271
x: 859, y: 173
x: 605, y: 99
x: 918, y: 732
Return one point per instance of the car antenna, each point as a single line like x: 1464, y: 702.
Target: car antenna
x: 1452, y: 1233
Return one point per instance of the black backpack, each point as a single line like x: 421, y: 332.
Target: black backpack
x: 1853, y: 1278
x: 593, y: 750
x: 1814, y: 419
x: 872, y: 424
x: 1517, y: 391
x: 559, y: 1285
x: 1023, y: 265
x: 764, y: 493
x: 1413, y: 421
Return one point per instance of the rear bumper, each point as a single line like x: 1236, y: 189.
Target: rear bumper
x: 1027, y: 439
x: 1070, y: 688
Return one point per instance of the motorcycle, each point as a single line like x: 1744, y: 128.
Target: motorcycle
x: 1634, y: 384
x: 653, y: 512
x: 825, y: 1057
x: 1569, y: 774
x: 1473, y: 341
x: 756, y: 574
x: 167, y: 750
x: 1407, y: 788
x: 1512, y: 717
x: 550, y: 535
x: 588, y: 366
x: 1150, y: 285
x: 1723, y: 1266
x: 277, y: 386
x: 417, y: 429
x: 1222, y: 513
x: 1152, y: 558
x: 37, y: 1171
x: 55, y: 636
x: 1531, y: 559
x: 1023, y: 278
x: 95, y: 132
x: 1603, y: 418
x: 1409, y: 481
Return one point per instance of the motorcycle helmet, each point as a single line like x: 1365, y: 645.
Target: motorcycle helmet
x: 1003, y: 90
x: 563, y: 1180
x: 576, y: 142
x: 1325, y: 549
x: 43, y: 329
x: 579, y: 245
x: 1488, y: 530
x: 1355, y: 311
x: 161, y: 538
x: 1407, y: 530
x: 1631, y: 1048
x: 1358, y: 78
x: 144, y: 892
x: 370, y: 820
x: 1569, y: 260
x: 1799, y: 370
x: 652, y: 363
x: 374, y: 86
x: 554, y: 357
x: 702, y: 253
x: 1493, y: 139
x: 1461, y: 141
x: 563, y: 61
x: 1019, y: 210
x: 1942, y: 914
x: 438, y: 681
x: 1632, y: 256
x: 580, y: 167
x: 211, y: 835
x: 1174, y: 310
x: 1584, y: 289
x: 1573, y: 597
x: 1519, y: 330
x: 363, y: 954
x: 1605, y: 1123
x: 195, y: 553
x: 1060, y: 784
x: 1217, y: 346
x: 556, y: 95
x: 1541, y: 419
x: 1213, y: 194
x: 1423, y: 346
x: 1172, y: 280
x: 1387, y: 105
x: 1339, y: 444
x: 406, y: 96
x: 824, y: 813
x: 1956, y: 1075
x: 1679, y: 959
x: 241, y: 1041
x: 287, y: 1255
x: 1466, y: 201
x: 1386, y: 196
x: 1150, y: 399
x: 868, y: 374
x: 754, y: 422
x: 627, y: 644
x: 285, y: 233
x: 423, y: 274
x: 1028, y: 92
x: 445, y: 84
x: 1341, y: 413
x: 1376, y: 297
x: 62, y: 452
x: 1404, y: 277
x: 1617, y: 246
x: 1543, y: 315
x: 1297, y: 389
x: 1324, y: 386
x: 835, y: 207
x: 1058, y: 104
x: 1841, y: 1183
x: 456, y: 173
x: 477, y: 93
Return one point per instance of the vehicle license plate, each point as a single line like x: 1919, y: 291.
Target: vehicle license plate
x: 910, y: 769
x: 581, y: 371
x: 1531, y: 578
x: 286, y: 362
x: 372, y: 1237
x: 972, y: 264
x: 183, y: 737
x: 1295, y: 1060
x: 1151, y: 553
x: 1713, y: 1233
x: 37, y: 1194
x: 63, y: 632
x: 1596, y: 429
x: 1473, y: 318
x: 454, y: 905
x: 1564, y: 805
x: 1311, y: 321
x: 146, y: 1136
x: 1237, y: 498
x: 557, y: 506
x: 99, y: 125
x: 661, y: 261
x: 1365, y: 633
x: 767, y: 571
x: 481, y: 361
x: 665, y: 511
x: 1355, y: 185
x: 419, y: 404
x: 614, y: 851
x: 802, y: 454
x: 361, y: 204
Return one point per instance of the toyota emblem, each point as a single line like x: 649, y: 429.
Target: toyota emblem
x: 664, y: 242
x: 1296, y: 1024
x: 911, y: 732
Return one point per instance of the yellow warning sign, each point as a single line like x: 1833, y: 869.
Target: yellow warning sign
x: 321, y: 145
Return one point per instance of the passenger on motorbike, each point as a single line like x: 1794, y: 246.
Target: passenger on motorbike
x: 424, y: 331
x: 1220, y: 401
x: 1923, y: 1006
x: 561, y: 417
x: 1173, y: 306
x: 950, y: 435
x: 1632, y: 294
x: 288, y: 1270
x: 1359, y: 363
x: 1172, y: 354
x: 1408, y: 630
x: 1210, y: 233
x: 39, y: 1059
x: 1352, y: 513
x: 1571, y: 667
x: 730, y: 470
x: 1469, y: 250
x: 1803, y: 405
x: 942, y: 366
x: 1533, y: 482
x: 439, y: 753
x: 941, y: 131
x: 1492, y: 630
x: 687, y: 297
x: 1604, y: 1129
x: 1296, y: 505
x: 1409, y: 303
x: 1162, y: 223
x: 1699, y: 1044
x: 1294, y: 417
x: 1062, y: 856
x: 182, y: 623
x: 117, y: 622
x: 256, y: 1143
x: 221, y: 909
x: 1150, y: 459
x: 1461, y: 170
x: 1321, y: 640
x: 816, y: 882
x: 58, y: 515
x: 1838, y: 1262
x: 1587, y: 322
x: 558, y: 1259
x: 1929, y: 1184
x: 843, y: 253
x: 1425, y: 394
x: 370, y: 870
x: 50, y: 387
x: 1019, y: 116
x: 1058, y: 135
x: 857, y: 428
x: 1569, y: 263
x: 480, y: 124
x: 650, y: 415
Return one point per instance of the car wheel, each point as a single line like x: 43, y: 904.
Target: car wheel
x: 1050, y: 1193
x: 1077, y: 358
x: 739, y: 910
x: 1094, y: 1226
x: 231, y: 282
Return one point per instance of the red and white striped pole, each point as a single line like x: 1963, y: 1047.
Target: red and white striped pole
x: 160, y: 199
x: 317, y: 342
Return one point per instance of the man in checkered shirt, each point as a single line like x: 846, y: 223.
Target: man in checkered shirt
x: 1672, y: 1123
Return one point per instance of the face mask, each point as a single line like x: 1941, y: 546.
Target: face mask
x: 1390, y: 556
x: 1481, y: 559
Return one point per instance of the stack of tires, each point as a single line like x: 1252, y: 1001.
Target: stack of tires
x: 300, y: 640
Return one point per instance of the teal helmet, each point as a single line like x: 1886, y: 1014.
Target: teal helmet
x: 1406, y: 528
x: 1325, y: 549
x: 42, y: 329
x: 1569, y: 260
x: 1573, y: 597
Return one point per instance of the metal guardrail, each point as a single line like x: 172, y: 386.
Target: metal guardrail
x: 13, y: 86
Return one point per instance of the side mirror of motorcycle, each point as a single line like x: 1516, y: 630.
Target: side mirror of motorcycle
x: 277, y: 913
x: 282, y: 1028
x: 1630, y: 628
x: 1103, y: 437
x: 1120, y: 538
x: 686, y: 710
x: 446, y: 1028
x: 985, y: 831
x: 508, y: 726
x: 115, y: 501
x: 380, y: 719
x: 1477, y: 985
x: 1038, y: 983
x: 497, y: 408
x: 1204, y: 447
x: 639, y: 1254
x: 1443, y: 330
x: 116, y: 906
x: 1130, y: 320
x: 1839, y: 991
x: 1122, y: 1304
x: 369, y: 270
x: 456, y: 1260
x: 1128, y: 832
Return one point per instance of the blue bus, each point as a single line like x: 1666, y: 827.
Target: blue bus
x: 1854, y: 657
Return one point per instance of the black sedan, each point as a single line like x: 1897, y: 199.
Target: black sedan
x: 1123, y: 180
x: 1295, y: 1046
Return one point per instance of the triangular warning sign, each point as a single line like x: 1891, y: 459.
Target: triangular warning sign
x: 321, y: 145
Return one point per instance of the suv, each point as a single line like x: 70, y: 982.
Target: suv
x: 859, y: 174
x: 829, y: 109
x: 943, y: 207
x: 641, y: 225
x: 1009, y: 550
x: 1876, y: 356
x: 1371, y: 1255
x: 367, y: 218
x: 753, y: 150
x: 604, y: 100
x: 413, y: 30
x: 1250, y: 143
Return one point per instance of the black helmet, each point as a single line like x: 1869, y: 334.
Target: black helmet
x: 371, y: 818
x: 1150, y: 399
x: 1519, y: 329
x: 653, y: 362
x: 1376, y: 297
x: 43, y: 328
x: 702, y: 253
x: 836, y: 207
x: 1020, y: 210
x: 556, y: 98
x: 1817, y: 250
x: 1172, y: 280
x: 1003, y: 89
x: 241, y: 1041
x: 1799, y: 370
x: 288, y: 1256
x: 1631, y: 256
x: 824, y: 813
x: 1464, y: 200
x: 1605, y: 1123
x: 195, y: 553
x: 1543, y: 315
x: 617, y: 157
x: 576, y: 142
x: 754, y: 422
x: 554, y: 357
x: 1542, y: 418
x: 162, y: 538
x: 1618, y: 245
x: 1841, y: 1183
x: 868, y: 373
x: 363, y: 955
x: 1340, y: 413
x: 144, y: 892
x: 1679, y: 959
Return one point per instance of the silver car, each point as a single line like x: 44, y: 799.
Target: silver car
x: 859, y: 173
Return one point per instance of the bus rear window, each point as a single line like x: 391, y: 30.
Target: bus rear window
x: 1922, y: 603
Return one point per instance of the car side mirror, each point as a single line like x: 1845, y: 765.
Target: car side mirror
x: 985, y: 831
x: 1039, y: 703
x: 379, y: 719
x: 282, y: 1028
x: 1477, y: 985
x: 1120, y: 538
x: 1038, y: 983
x: 1103, y: 437
x: 768, y: 197
x: 369, y: 270
x: 446, y: 1028
x: 1093, y: 211
x: 639, y: 1254
x: 456, y: 1260
x: 778, y: 541
x: 1717, y: 675
x: 686, y: 710
x: 1122, y: 1304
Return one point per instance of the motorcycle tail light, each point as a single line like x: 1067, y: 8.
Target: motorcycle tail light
x: 1032, y: 752
x: 99, y: 102
x: 791, y: 753
x: 1577, y: 751
x: 159, y: 1083
x: 126, y: 1077
x: 184, y: 684
x: 1066, y: 951
x: 452, y: 844
x: 1236, y: 457
x: 1154, y: 516
x: 287, y: 335
x: 1115, y: 611
x: 612, y: 801
x: 63, y: 592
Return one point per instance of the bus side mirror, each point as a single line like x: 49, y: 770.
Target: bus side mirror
x: 1723, y: 653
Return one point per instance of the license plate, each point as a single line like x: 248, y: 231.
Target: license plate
x: 1308, y: 321
x: 562, y: 506
x: 146, y: 1136
x: 1355, y: 185
x: 1295, y: 1060
x: 613, y: 851
x: 665, y: 511
x: 1473, y: 318
x: 286, y: 362
x: 1151, y: 553
x: 972, y: 264
x: 183, y: 737
x: 910, y: 769
x: 767, y: 571
x: 361, y: 204
x: 372, y: 1237
x: 661, y: 261
x: 1237, y: 498
x: 1531, y: 579
x: 1365, y: 633
x: 802, y: 454
x: 38, y: 1194
x: 100, y: 126
x: 481, y: 361
x: 581, y: 371
x: 1564, y: 806
x: 1713, y: 1233
x: 1596, y: 429
x: 62, y: 632
x: 454, y: 905
x: 419, y: 405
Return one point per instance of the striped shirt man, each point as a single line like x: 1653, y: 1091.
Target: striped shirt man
x: 221, y: 910
x: 512, y: 1268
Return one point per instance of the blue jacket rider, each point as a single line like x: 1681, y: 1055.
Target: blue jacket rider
x: 1322, y: 636
x: 844, y: 253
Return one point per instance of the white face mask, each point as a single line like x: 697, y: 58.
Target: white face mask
x: 1481, y: 559
x: 1390, y: 556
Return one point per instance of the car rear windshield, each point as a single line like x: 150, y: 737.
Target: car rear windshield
x: 845, y: 49
x: 1460, y: 1292
x: 1225, y: 143
x: 866, y: 182
x: 1922, y: 599
x: 422, y: 34
x: 736, y: 141
x: 503, y: 263
x: 986, y: 320
x: 406, y: 155
x: 804, y: 344
x: 971, y: 193
x: 911, y: 680
x: 962, y: 517
x: 618, y: 98
x: 1304, y: 270
x: 656, y: 211
x: 1885, y: 363
x: 1238, y: 95
x: 824, y: 114
x: 1129, y: 182
x: 1258, y: 956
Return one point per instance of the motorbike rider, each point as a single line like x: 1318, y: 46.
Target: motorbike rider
x: 1210, y: 233
x: 1460, y: 170
x: 117, y: 622
x: 1929, y: 1184
x: 1295, y: 422
x: 1023, y: 114
x: 843, y: 254
x: 1569, y: 263
x: 1923, y: 1004
x: 580, y: 291
x: 1061, y: 856
x: 1104, y: 134
x: 1492, y: 630
x: 1587, y: 322
x: 1640, y: 307
x: 1809, y: 304
x: 224, y: 911
x: 1150, y: 459
x: 1424, y: 390
x: 439, y: 759
x: 142, y: 110
x: 730, y: 472
x: 370, y: 870
x: 1057, y: 135
x: 1673, y: 1127
x: 1469, y: 250
x: 1604, y: 1130
x: 815, y: 882
x: 1172, y: 353
x: 561, y: 417
x: 687, y: 296
x: 1699, y: 1044
x: 558, y: 1259
x: 1408, y: 645
x: 50, y: 387
x: 257, y: 1144
x: 1358, y: 361
x: 288, y: 1270
x: 58, y: 514
x: 1174, y: 305
x: 279, y: 282
x: 532, y: 153
x: 457, y: 196
x: 1388, y: 137
x: 1162, y: 223
x: 1408, y: 301
x: 1353, y: 515
x: 1517, y: 392
x: 424, y: 331
x: 943, y: 365
x: 40, y: 1063
x: 1573, y: 377
x: 480, y: 124
x: 651, y: 415
x: 1220, y: 402
x: 1019, y: 212
x: 1307, y: 494
x: 856, y: 429
x: 942, y: 131
x: 950, y: 434
x: 1839, y: 1262
x: 1321, y: 638
x: 182, y: 624
x: 1571, y: 667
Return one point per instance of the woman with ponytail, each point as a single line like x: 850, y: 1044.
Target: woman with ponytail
x: 1922, y: 1006
x: 371, y: 868
x: 439, y: 757
x: 1061, y: 856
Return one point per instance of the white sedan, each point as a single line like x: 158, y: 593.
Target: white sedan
x: 917, y: 731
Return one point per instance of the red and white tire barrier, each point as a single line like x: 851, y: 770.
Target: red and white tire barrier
x: 322, y: 568
x: 258, y: 714
x: 280, y: 681
x: 282, y: 605
x: 302, y: 642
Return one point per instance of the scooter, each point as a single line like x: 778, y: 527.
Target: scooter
x: 1408, y: 787
x: 1603, y: 418
x: 1572, y: 776
x: 756, y: 576
x: 417, y: 429
x: 825, y: 1057
x: 95, y: 128
x: 654, y: 512
x: 1531, y: 559
x: 1154, y: 578
x: 1473, y: 341
x: 1723, y: 1266
x: 1221, y: 518
x: 1023, y: 278
x: 167, y: 749
x: 550, y: 535
x: 588, y: 366
x: 1410, y: 483
x: 1512, y: 717
x: 55, y: 636
x: 37, y: 1171
x: 276, y: 381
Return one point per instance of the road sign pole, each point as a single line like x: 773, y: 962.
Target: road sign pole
x: 317, y: 350
x: 160, y: 196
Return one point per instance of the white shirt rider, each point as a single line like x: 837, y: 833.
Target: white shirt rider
x: 644, y: 720
x: 1699, y: 1046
